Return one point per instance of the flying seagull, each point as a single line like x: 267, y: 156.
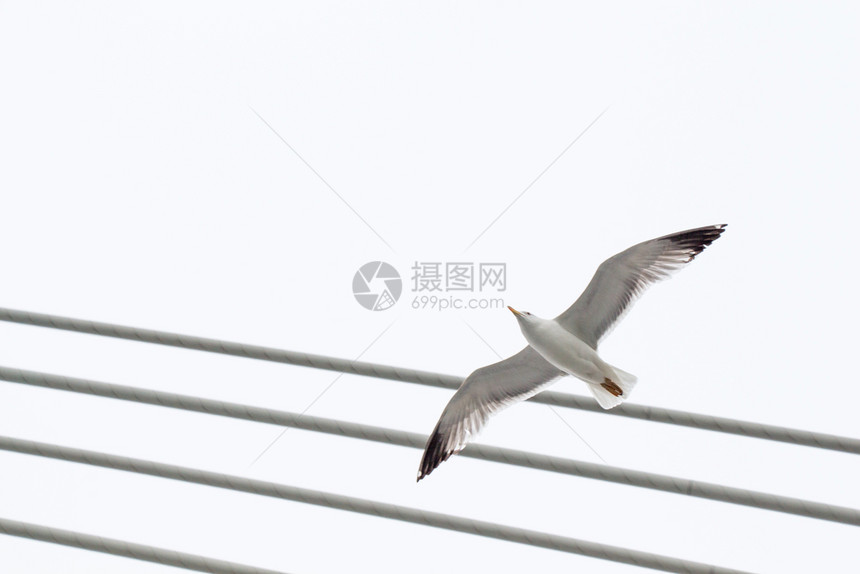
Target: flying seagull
x: 566, y: 345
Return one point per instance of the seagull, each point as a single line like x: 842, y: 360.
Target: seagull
x: 566, y: 345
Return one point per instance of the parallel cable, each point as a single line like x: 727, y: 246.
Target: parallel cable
x: 560, y: 465
x: 656, y: 414
x: 126, y: 549
x: 363, y: 506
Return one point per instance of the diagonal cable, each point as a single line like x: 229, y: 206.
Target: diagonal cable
x: 126, y: 549
x: 362, y: 506
x: 525, y: 459
x: 319, y: 396
x: 535, y: 180
x: 321, y: 178
x: 427, y: 378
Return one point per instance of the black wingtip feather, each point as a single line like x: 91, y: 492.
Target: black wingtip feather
x: 695, y: 240
x: 434, y: 455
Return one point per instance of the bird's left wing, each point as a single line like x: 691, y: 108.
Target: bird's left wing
x: 484, y: 393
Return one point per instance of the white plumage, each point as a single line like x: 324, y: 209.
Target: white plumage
x: 566, y: 345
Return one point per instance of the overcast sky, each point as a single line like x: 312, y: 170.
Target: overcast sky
x: 140, y: 186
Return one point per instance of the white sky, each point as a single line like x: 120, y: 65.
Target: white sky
x: 140, y: 188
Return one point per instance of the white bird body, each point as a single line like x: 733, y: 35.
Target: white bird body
x: 566, y: 345
x: 563, y: 349
x: 567, y: 352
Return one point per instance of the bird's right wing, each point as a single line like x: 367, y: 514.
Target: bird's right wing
x: 622, y: 278
x: 484, y: 393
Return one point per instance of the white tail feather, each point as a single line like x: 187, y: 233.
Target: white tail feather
x: 606, y: 399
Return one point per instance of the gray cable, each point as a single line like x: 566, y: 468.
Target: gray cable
x: 630, y: 477
x: 361, y: 506
x: 127, y: 549
x: 669, y: 416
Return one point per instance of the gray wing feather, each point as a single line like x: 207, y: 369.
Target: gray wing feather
x: 622, y: 279
x: 484, y: 393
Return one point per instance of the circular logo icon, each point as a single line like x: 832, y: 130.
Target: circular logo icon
x: 377, y: 286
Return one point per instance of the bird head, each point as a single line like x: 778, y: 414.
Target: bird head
x: 521, y: 315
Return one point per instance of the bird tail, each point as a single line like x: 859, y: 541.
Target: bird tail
x: 614, y: 390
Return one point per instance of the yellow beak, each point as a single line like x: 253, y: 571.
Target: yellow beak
x: 514, y: 311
